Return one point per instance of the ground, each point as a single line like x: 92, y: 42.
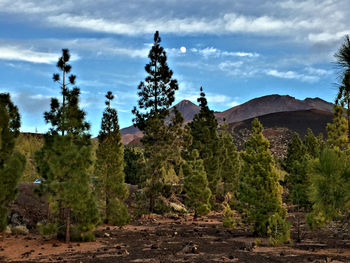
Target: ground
x: 172, y: 238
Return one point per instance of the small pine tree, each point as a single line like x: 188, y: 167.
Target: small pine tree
x: 260, y: 193
x: 110, y: 167
x: 338, y: 130
x: 134, y: 165
x: 329, y: 190
x: 297, y: 179
x: 205, y: 140
x: 312, y: 144
x: 228, y: 220
x: 196, y: 185
x: 230, y: 163
x: 65, y: 159
x: 11, y: 162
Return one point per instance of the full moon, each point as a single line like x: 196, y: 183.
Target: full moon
x: 183, y: 49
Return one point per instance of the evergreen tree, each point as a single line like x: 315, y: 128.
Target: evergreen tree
x: 205, y: 139
x: 156, y: 96
x: 329, y: 190
x: 338, y: 130
x: 110, y: 167
x: 230, y: 163
x: 295, y: 164
x: 134, y: 165
x: 343, y: 61
x: 260, y: 193
x: 312, y: 144
x: 196, y: 185
x: 65, y: 159
x: 11, y: 162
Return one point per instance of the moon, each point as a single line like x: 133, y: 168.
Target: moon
x: 183, y: 49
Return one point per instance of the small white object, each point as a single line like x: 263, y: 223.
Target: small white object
x: 183, y: 49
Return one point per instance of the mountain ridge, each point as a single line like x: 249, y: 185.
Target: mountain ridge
x: 256, y: 107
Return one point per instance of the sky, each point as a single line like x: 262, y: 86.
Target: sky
x: 236, y: 49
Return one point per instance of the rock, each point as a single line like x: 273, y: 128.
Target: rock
x: 15, y: 219
x: 8, y: 230
x: 20, y: 230
x: 178, y: 208
x: 154, y: 246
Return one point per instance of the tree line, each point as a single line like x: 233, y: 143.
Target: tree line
x: 198, y: 161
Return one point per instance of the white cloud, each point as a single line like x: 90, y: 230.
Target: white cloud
x: 17, y: 53
x: 214, y: 52
x: 232, y: 104
x: 292, y: 75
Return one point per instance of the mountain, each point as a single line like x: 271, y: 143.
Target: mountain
x: 186, y: 107
x: 279, y: 127
x: 271, y: 104
x: 256, y: 107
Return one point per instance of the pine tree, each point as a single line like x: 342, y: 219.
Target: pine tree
x: 205, y: 139
x: 134, y: 165
x: 11, y: 162
x: 196, y: 185
x: 230, y: 163
x: 156, y: 96
x: 312, y: 144
x: 260, y: 193
x: 338, y: 130
x: 343, y: 61
x: 297, y: 179
x: 110, y: 167
x: 65, y: 159
x: 329, y: 190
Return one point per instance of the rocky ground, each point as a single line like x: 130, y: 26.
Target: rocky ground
x: 176, y: 239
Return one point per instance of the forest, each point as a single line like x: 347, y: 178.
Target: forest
x: 190, y: 170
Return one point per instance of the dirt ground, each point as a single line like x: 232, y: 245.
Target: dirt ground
x: 176, y: 239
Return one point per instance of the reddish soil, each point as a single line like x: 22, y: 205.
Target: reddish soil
x: 176, y: 239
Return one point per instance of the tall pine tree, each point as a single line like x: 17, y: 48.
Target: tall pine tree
x: 156, y: 96
x: 230, y: 162
x: 260, y: 193
x: 343, y: 61
x: 110, y: 167
x: 205, y: 140
x: 11, y: 162
x: 65, y: 159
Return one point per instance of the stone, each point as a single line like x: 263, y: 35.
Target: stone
x: 20, y: 230
x: 8, y: 230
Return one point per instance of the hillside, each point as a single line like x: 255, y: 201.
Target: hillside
x: 272, y: 104
x: 280, y: 126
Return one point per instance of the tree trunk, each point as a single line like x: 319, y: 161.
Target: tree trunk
x: 151, y: 203
x: 67, y: 225
x: 107, y: 209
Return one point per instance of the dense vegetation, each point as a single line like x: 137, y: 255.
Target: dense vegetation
x: 198, y: 163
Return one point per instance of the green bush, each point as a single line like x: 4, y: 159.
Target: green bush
x: 88, y: 237
x: 118, y: 214
x: 48, y: 229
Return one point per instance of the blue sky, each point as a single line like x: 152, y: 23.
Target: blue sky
x: 237, y: 50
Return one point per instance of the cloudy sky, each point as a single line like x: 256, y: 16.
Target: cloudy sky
x: 237, y: 50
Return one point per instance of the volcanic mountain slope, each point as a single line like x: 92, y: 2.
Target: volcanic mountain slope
x: 271, y: 104
x: 251, y: 109
x: 187, y: 109
x: 280, y: 126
